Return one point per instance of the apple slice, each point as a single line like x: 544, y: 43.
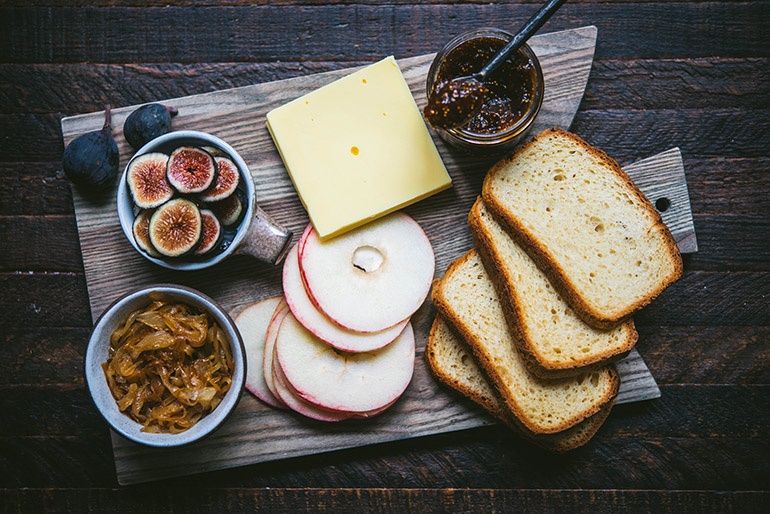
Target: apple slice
x: 349, y: 382
x: 289, y: 395
x: 299, y: 405
x: 372, y: 277
x: 252, y: 323
x: 303, y: 237
x: 272, y: 331
x: 321, y: 326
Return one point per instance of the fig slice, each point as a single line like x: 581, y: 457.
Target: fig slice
x: 191, y: 170
x: 212, y: 232
x: 228, y: 210
x: 176, y: 227
x: 142, y: 232
x: 226, y: 183
x: 146, y: 179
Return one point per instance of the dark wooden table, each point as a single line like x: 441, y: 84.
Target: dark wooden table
x: 689, y: 74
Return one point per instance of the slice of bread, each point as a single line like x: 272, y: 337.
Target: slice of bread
x: 450, y: 360
x: 467, y: 299
x: 558, y: 342
x: 586, y: 225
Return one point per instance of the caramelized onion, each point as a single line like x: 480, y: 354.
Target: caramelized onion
x: 169, y: 365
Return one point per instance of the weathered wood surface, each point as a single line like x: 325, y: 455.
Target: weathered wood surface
x: 256, y: 435
x: 662, y: 78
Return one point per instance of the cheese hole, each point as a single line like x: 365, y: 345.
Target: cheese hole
x: 354, y: 150
x: 367, y: 258
x: 364, y: 81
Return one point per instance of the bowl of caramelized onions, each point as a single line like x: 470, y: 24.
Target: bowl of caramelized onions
x: 165, y: 365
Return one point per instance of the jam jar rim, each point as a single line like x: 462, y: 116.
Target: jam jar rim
x: 524, y: 123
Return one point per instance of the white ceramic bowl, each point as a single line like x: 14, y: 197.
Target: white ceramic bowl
x: 257, y: 234
x: 97, y: 354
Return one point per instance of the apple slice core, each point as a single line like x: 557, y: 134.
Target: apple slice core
x: 371, y: 278
x: 252, y: 323
x: 322, y: 327
x: 342, y: 381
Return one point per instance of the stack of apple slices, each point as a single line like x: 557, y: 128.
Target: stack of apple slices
x: 339, y: 344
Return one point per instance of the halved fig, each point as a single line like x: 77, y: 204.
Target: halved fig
x: 176, y: 227
x: 191, y: 170
x: 142, y: 232
x: 227, y: 181
x: 146, y: 178
x: 228, y: 210
x: 212, y: 232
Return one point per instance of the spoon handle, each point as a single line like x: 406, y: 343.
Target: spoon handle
x: 532, y: 26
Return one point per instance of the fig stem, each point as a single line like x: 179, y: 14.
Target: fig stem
x: 172, y: 111
x: 107, y: 117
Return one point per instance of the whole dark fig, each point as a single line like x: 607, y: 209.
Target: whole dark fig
x: 91, y: 160
x: 146, y: 123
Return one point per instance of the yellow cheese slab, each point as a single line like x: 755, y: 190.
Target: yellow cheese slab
x: 357, y: 149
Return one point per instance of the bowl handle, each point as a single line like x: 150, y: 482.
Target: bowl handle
x: 266, y: 240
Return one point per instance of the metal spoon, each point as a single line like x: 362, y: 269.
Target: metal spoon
x: 456, y: 101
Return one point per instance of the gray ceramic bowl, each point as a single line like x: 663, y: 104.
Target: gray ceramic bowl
x: 257, y: 234
x: 97, y: 353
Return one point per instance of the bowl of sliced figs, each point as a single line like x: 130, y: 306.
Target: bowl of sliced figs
x: 187, y: 201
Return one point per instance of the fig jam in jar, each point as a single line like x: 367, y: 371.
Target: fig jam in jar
x: 514, y: 92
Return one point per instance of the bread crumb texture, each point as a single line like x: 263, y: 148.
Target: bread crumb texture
x: 590, y: 219
x: 557, y: 337
x: 467, y: 297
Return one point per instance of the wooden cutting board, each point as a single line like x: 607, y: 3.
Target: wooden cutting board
x: 255, y: 432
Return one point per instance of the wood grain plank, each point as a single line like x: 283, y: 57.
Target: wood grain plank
x: 354, y: 32
x: 635, y: 84
x: 665, y: 186
x: 251, y: 3
x: 718, y: 185
x: 706, y: 354
x: 721, y: 411
x: 482, y: 458
x: 34, y: 188
x: 34, y: 355
x: 40, y: 243
x: 427, y: 501
x: 626, y: 135
x: 566, y: 60
x: 699, y: 298
x: 724, y: 355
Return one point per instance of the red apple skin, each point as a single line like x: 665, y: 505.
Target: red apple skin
x: 368, y: 319
x: 267, y: 362
x: 300, y: 406
x: 310, y: 410
x: 250, y: 323
x: 318, y: 324
x: 363, y: 384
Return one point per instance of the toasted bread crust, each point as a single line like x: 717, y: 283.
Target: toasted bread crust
x: 485, y: 361
x: 440, y: 373
x: 567, y: 440
x: 537, y: 363
x: 545, y: 261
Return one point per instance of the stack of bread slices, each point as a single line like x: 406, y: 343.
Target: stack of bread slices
x: 532, y: 319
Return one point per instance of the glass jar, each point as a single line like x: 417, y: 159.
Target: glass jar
x: 509, y: 137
